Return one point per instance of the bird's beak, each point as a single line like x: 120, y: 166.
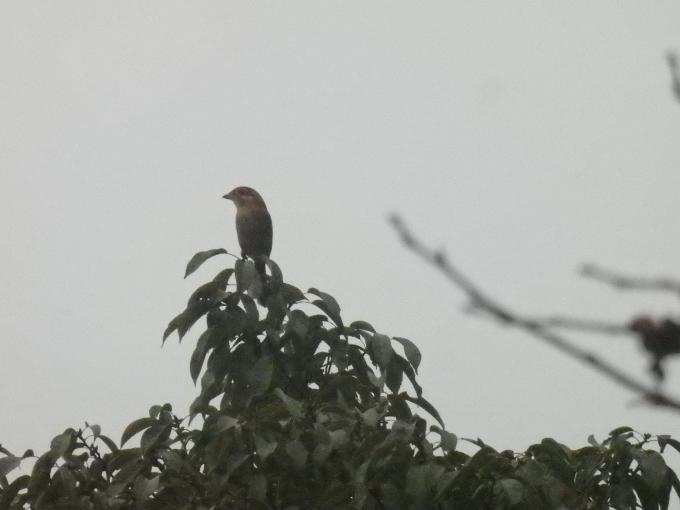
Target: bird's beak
x: 228, y: 196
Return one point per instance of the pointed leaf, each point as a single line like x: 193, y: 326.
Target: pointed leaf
x: 62, y: 443
x: 143, y: 487
x: 411, y: 351
x: 260, y: 376
x: 263, y: 447
x: 294, y: 407
x: 108, y: 442
x: 362, y: 325
x: 424, y: 404
x: 328, y: 304
x: 8, y: 464
x: 257, y: 488
x: 201, y: 257
x: 183, y: 322
x: 291, y: 294
x: 222, y: 278
x: 381, y: 347
x: 135, y: 428
x: 448, y: 442
x: 277, y: 277
x: 206, y: 341
x: 297, y: 452
x: 393, y: 377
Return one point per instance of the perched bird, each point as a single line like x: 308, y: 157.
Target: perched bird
x: 253, y: 225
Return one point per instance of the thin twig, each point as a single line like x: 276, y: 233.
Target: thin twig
x: 535, y: 328
x: 588, y: 325
x: 630, y: 283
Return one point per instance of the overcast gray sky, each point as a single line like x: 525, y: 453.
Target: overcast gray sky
x: 524, y: 137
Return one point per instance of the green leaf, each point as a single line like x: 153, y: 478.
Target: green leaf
x: 247, y: 278
x: 251, y: 308
x: 108, y: 442
x: 201, y: 257
x: 419, y: 482
x: 8, y: 464
x: 668, y: 440
x: 620, y: 430
x: 263, y: 447
x: 206, y: 341
x: 328, y: 304
x: 235, y: 461
x: 260, y: 376
x: 448, y: 441
x: 183, y: 322
x: 653, y: 467
x: 381, y: 347
x: 424, y: 404
x: 154, y: 436
x: 277, y: 276
x: 62, y: 443
x: 511, y: 490
x: 411, y: 351
x: 321, y: 453
x: 40, y: 474
x: 298, y: 323
x: 297, y: 452
x: 224, y: 422
x: 257, y: 488
x: 370, y: 417
x: 410, y: 373
x: 222, y: 278
x: 96, y: 430
x: 143, y: 487
x: 291, y: 294
x: 122, y: 458
x: 593, y: 442
x: 362, y: 325
x: 393, y: 377
x: 135, y: 428
x: 293, y: 406
x: 8, y: 494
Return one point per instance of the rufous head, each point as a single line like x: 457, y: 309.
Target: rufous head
x: 243, y: 196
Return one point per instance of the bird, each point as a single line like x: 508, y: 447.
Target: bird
x: 253, y: 225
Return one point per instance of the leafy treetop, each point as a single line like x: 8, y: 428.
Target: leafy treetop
x: 299, y: 410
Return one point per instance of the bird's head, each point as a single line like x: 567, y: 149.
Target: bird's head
x: 245, y: 197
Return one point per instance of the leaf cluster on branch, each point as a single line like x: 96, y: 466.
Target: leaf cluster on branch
x: 298, y: 409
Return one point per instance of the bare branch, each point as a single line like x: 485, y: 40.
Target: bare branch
x: 630, y: 283
x: 588, y: 325
x: 537, y: 329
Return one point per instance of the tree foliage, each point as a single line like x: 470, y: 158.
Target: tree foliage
x: 299, y: 410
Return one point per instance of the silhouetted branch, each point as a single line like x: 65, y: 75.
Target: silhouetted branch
x: 672, y: 59
x: 537, y: 329
x: 627, y: 283
x: 589, y: 325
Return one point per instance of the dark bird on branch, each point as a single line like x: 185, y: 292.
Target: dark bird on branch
x: 660, y: 338
x: 253, y: 225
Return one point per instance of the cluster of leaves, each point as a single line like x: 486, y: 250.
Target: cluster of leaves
x: 298, y: 410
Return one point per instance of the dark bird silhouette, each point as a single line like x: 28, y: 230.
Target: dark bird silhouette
x: 660, y: 338
x: 253, y: 225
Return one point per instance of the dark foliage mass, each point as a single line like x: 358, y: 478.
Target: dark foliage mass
x: 299, y: 410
